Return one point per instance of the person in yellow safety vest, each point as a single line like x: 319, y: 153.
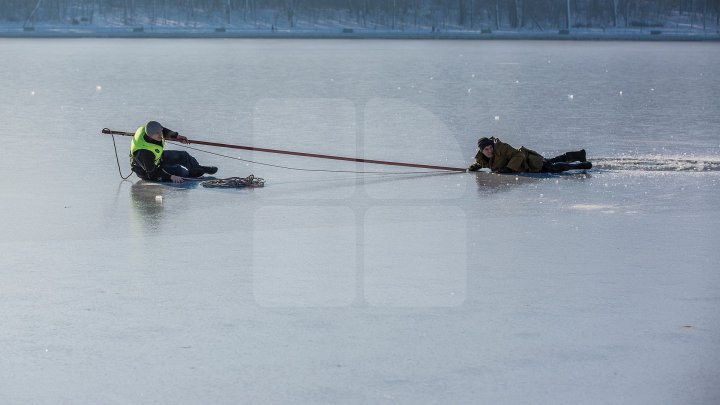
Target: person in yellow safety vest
x: 501, y: 157
x: 150, y: 161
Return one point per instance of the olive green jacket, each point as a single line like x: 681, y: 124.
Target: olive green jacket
x: 507, y: 157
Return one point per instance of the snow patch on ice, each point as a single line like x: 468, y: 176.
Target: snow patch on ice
x: 608, y: 209
x: 658, y: 163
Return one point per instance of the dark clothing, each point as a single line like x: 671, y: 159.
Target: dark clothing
x: 172, y: 162
x: 507, y: 159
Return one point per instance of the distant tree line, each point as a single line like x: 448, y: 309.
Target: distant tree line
x: 386, y: 14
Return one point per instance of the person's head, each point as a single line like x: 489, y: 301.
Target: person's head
x: 486, y: 147
x: 153, y: 129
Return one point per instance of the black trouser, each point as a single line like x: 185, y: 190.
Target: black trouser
x: 566, y: 161
x: 556, y: 167
x: 180, y: 163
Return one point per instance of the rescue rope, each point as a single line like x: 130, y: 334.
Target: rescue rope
x: 117, y: 159
x: 298, y: 168
x: 433, y: 168
x: 255, y: 182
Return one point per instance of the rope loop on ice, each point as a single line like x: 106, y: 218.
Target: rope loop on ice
x: 235, y: 182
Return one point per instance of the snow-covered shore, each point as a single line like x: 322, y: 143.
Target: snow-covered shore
x: 87, y: 31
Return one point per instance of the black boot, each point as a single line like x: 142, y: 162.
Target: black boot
x: 198, y: 172
x: 558, y: 159
x: 209, y: 169
x: 578, y: 156
x: 568, y: 157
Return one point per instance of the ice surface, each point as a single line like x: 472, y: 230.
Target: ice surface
x: 598, y: 287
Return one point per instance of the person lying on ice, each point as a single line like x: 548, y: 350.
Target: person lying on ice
x: 500, y: 157
x: 150, y: 162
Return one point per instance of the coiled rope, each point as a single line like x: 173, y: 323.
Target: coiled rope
x: 235, y: 182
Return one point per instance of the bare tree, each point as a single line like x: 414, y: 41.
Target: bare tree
x: 394, y: 14
x: 614, y: 8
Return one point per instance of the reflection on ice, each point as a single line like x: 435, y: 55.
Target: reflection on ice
x: 492, y: 182
x: 147, y: 204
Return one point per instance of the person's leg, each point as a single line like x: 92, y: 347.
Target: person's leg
x: 557, y: 167
x: 179, y: 157
x: 185, y: 159
x: 177, y: 170
x: 577, y: 156
x: 548, y: 166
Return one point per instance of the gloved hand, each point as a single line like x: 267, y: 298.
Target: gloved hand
x: 473, y: 167
x: 504, y: 170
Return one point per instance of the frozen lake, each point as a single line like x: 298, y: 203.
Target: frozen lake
x: 341, y: 287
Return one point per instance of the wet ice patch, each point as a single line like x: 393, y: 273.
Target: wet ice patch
x: 657, y: 164
x: 604, y: 208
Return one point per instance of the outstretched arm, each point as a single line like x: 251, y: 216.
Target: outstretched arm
x: 173, y: 135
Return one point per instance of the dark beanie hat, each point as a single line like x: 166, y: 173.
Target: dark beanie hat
x: 153, y: 127
x: 483, y: 142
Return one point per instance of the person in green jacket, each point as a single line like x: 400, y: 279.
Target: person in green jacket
x: 150, y: 161
x: 501, y: 157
